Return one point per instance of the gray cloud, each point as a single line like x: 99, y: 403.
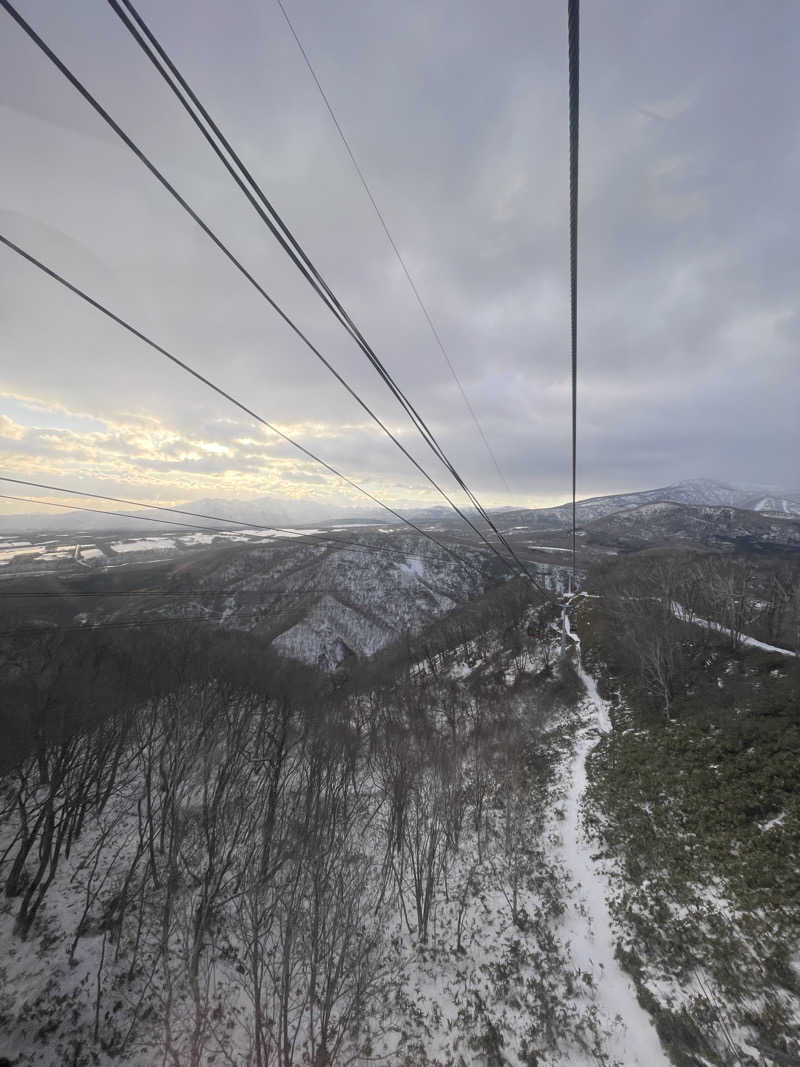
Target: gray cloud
x: 457, y: 111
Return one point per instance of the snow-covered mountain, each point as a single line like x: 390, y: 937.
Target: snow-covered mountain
x: 696, y: 492
x: 712, y: 526
x: 317, y: 603
x: 704, y: 491
x: 275, y: 511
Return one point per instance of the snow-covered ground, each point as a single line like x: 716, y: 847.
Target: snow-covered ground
x: 265, y: 535
x: 91, y: 553
x: 34, y: 556
x: 630, y: 1038
x: 143, y: 544
x: 59, y: 553
x: 197, y: 539
x: 689, y: 616
x: 541, y: 986
x: 8, y: 554
x: 702, y: 950
x: 40, y: 552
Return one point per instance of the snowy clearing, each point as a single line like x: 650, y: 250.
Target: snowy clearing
x: 92, y: 553
x: 689, y: 616
x: 145, y: 544
x: 264, y: 535
x: 197, y: 539
x: 10, y: 554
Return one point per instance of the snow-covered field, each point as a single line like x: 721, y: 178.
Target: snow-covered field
x: 143, y: 544
x: 9, y: 554
x: 31, y: 557
x: 59, y: 553
x: 197, y: 539
x: 265, y: 535
x: 91, y: 554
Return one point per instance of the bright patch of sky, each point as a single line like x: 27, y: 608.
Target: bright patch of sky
x: 30, y: 413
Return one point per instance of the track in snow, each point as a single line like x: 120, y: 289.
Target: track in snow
x: 631, y: 1038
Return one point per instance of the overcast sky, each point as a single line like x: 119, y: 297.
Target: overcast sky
x: 457, y: 112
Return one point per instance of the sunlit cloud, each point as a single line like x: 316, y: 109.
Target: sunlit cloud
x: 688, y: 274
x: 154, y: 461
x: 11, y: 429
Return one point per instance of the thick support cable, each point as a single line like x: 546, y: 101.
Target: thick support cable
x: 140, y: 155
x: 268, y: 214
x: 280, y: 532
x: 217, y: 389
x: 574, y: 67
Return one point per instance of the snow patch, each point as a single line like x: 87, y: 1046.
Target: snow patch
x: 92, y: 553
x: 689, y: 616
x: 14, y: 553
x: 145, y: 544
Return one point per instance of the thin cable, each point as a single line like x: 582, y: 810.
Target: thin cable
x: 96, y: 511
x: 574, y: 68
x: 287, y: 536
x: 157, y: 55
x: 162, y: 62
x: 217, y: 389
x: 323, y: 542
x: 133, y: 623
x: 392, y: 242
x: 68, y: 594
x: 90, y: 99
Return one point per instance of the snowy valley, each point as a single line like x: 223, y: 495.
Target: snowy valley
x: 373, y: 800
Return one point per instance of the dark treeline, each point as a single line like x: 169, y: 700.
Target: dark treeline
x: 57, y: 682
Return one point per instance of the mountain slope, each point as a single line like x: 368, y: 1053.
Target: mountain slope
x: 320, y: 604
x: 698, y: 492
x: 710, y: 526
x: 282, y: 512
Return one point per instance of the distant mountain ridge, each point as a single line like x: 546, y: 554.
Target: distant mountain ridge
x: 695, y: 492
x: 272, y: 511
x: 710, y: 525
x: 264, y: 511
